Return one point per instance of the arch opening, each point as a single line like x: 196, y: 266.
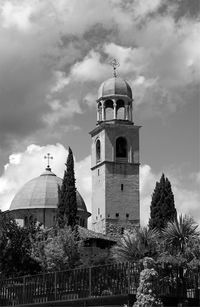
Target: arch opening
x: 121, y: 148
x: 98, y: 151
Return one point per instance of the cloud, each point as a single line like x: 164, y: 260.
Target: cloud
x: 61, y: 111
x: 51, y: 51
x: 16, y: 15
x: 90, y: 69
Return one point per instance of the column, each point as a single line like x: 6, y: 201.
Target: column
x: 130, y: 113
x: 103, y: 110
x: 98, y: 115
x: 126, y: 111
x: 114, y: 109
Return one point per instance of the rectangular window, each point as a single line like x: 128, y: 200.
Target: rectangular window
x: 98, y: 172
x: 127, y: 215
x: 98, y: 211
x: 117, y: 214
x: 122, y: 187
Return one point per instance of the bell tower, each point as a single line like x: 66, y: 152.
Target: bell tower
x: 115, y: 160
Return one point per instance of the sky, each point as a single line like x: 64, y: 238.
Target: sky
x: 54, y: 55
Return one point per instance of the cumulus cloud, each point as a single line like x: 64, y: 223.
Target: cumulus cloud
x: 48, y: 50
x: 90, y: 68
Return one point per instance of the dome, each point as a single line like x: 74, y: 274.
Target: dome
x: 42, y: 192
x: 115, y: 86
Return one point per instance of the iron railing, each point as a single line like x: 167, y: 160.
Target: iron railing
x: 115, y: 279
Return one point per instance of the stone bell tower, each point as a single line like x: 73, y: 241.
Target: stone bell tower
x: 115, y: 160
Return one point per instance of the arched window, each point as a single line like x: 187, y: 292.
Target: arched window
x: 121, y: 148
x: 98, y: 151
x: 120, y: 109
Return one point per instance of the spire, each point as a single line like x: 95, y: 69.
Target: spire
x: 114, y: 63
x: 48, y: 157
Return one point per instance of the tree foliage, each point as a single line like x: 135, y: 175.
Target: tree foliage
x: 15, y: 246
x: 180, y: 242
x: 57, y: 249
x: 67, y: 203
x: 134, y: 246
x: 162, y: 207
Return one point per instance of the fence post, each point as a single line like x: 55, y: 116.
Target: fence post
x: 24, y: 290
x: 90, y: 281
x: 129, y: 278
x: 55, y: 285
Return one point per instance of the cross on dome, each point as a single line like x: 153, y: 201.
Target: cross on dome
x: 114, y: 63
x: 48, y: 157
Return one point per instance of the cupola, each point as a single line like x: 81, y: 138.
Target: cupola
x: 114, y: 99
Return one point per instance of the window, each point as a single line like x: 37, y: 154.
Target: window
x: 127, y: 215
x: 122, y: 230
x: 98, y: 172
x: 117, y: 214
x: 122, y: 187
x: 98, y: 151
x: 121, y: 147
x: 98, y: 211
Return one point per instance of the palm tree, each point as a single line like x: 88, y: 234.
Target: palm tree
x: 134, y: 246
x: 179, y: 233
x: 180, y: 249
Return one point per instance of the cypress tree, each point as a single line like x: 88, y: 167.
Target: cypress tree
x: 67, y: 204
x: 162, y: 207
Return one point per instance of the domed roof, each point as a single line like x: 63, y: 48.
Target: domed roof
x: 42, y: 192
x: 115, y: 86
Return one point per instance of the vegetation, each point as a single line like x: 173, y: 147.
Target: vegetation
x: 132, y: 247
x: 162, y: 207
x: 147, y: 292
x: 67, y: 204
x: 57, y: 249
x: 181, y: 243
x: 15, y: 246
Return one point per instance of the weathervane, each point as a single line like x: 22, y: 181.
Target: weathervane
x: 48, y: 157
x: 114, y: 63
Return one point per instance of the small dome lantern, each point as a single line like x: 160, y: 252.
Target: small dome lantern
x: 114, y: 100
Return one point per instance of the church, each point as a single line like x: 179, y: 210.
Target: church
x: 114, y: 168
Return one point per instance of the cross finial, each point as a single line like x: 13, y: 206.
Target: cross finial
x: 48, y: 157
x: 115, y: 64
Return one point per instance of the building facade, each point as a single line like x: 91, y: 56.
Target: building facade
x: 115, y: 160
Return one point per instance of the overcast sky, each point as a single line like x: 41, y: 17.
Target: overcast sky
x: 53, y: 57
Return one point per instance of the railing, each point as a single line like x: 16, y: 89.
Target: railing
x: 115, y: 279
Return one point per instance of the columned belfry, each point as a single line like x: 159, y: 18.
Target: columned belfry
x: 115, y: 159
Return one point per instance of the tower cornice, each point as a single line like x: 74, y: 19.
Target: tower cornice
x: 112, y: 125
x: 114, y: 162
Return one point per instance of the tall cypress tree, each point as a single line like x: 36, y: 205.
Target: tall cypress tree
x: 67, y: 204
x: 162, y: 207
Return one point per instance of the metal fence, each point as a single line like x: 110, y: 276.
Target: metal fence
x: 115, y: 279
